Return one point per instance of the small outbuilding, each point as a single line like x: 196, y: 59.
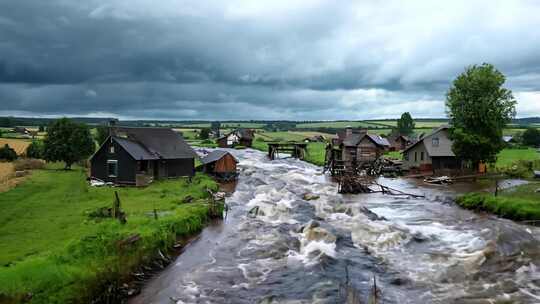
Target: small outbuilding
x: 221, y: 164
x: 398, y: 142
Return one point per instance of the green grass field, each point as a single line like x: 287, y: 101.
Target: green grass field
x: 53, y: 249
x: 521, y: 203
x: 509, y: 156
x: 341, y: 124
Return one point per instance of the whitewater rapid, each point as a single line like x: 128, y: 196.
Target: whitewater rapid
x: 302, y: 249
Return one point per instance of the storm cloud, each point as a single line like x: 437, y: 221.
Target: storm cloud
x: 174, y: 59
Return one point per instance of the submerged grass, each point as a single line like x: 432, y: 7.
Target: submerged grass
x: 521, y: 203
x: 53, y: 252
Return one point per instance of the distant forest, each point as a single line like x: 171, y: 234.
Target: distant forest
x: 197, y: 124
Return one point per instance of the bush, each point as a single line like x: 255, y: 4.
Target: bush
x: 35, y: 150
x: 207, y: 141
x: 7, y: 153
x: 28, y: 164
x: 259, y: 139
x: 519, y: 169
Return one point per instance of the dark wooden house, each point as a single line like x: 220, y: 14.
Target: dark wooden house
x: 221, y: 164
x: 353, y: 149
x: 238, y: 137
x: 139, y: 155
x: 398, y: 142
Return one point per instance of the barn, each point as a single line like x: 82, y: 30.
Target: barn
x: 139, y: 155
x: 220, y: 163
x: 357, y: 145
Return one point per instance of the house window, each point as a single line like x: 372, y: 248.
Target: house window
x: 415, y: 156
x: 112, y: 168
x: 421, y: 155
x: 435, y: 142
x: 111, y: 149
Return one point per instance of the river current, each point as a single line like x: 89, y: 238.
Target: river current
x: 308, y: 242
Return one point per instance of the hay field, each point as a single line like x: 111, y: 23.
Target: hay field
x: 19, y: 145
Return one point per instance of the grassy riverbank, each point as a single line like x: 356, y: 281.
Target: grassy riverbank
x: 53, y: 251
x: 521, y: 203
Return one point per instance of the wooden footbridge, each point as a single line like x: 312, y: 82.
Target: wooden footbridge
x: 295, y: 149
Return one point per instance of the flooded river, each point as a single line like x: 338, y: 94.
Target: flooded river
x: 303, y: 251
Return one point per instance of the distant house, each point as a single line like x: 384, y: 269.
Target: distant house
x: 133, y: 155
x: 315, y: 138
x: 238, y: 137
x: 357, y: 145
x: 220, y: 163
x: 21, y: 130
x: 398, y: 142
x: 431, y: 152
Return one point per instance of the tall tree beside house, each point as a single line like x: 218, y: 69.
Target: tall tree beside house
x: 35, y: 149
x: 67, y: 141
x: 102, y: 132
x: 405, y: 124
x: 531, y: 137
x: 205, y: 133
x: 479, y: 107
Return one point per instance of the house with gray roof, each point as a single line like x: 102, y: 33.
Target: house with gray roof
x: 144, y: 153
x: 432, y: 152
x: 358, y: 146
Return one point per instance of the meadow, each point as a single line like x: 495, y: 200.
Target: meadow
x: 521, y: 203
x: 55, y: 249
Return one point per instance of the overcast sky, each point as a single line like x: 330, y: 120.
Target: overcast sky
x: 300, y: 60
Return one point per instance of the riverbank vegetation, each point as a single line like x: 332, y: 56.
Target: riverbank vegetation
x: 58, y: 245
x: 521, y: 203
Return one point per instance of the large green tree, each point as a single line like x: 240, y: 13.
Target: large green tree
x: 67, y: 141
x: 531, y: 137
x: 479, y: 107
x: 405, y: 124
x: 102, y: 132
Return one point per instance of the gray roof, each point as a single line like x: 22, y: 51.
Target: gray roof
x: 444, y: 148
x: 355, y: 139
x: 135, y: 149
x: 156, y: 142
x: 215, y: 156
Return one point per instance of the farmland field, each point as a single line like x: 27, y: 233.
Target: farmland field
x: 250, y: 125
x: 508, y: 156
x: 340, y: 124
x: 19, y: 145
x: 5, y: 170
x: 59, y: 253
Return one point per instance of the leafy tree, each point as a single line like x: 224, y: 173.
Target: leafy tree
x: 531, y: 137
x: 405, y: 124
x: 479, y: 107
x: 7, y: 153
x: 205, y: 133
x: 41, y: 128
x: 101, y: 134
x: 35, y: 150
x: 67, y: 141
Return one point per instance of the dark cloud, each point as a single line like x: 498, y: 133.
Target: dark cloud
x: 252, y: 59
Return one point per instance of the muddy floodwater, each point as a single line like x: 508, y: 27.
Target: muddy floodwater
x: 425, y: 250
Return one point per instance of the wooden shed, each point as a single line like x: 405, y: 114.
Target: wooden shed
x: 221, y: 164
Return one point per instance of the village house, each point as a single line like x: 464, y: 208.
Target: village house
x: 139, y: 155
x: 398, y: 142
x: 358, y: 146
x: 221, y: 164
x: 432, y: 152
x: 238, y: 137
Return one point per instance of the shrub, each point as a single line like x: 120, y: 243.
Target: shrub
x: 207, y: 141
x: 7, y: 153
x: 28, y: 164
x: 35, y: 150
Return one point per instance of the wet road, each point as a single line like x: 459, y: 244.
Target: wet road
x: 419, y: 250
